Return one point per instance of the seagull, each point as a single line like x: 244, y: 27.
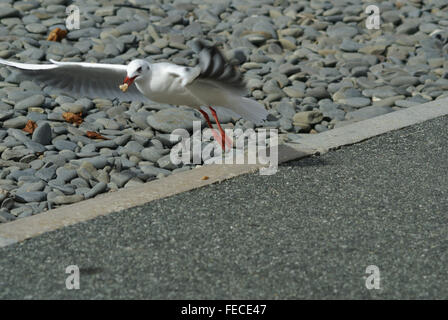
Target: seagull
x: 213, y: 82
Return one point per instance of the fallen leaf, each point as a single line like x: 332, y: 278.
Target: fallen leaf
x: 30, y: 126
x: 204, y: 178
x: 73, y: 117
x: 56, y: 34
x: 95, y: 135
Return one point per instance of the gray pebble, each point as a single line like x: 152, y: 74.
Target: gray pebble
x: 42, y: 134
x: 34, y: 196
x: 100, y: 187
x: 171, y: 119
x: 67, y: 199
x: 368, y: 112
x: 18, y: 122
x: 47, y: 172
x: 30, y: 102
x: 64, y: 145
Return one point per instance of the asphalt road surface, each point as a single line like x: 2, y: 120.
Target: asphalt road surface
x: 309, y: 231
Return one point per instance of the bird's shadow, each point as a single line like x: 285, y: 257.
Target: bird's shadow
x: 311, y: 161
x: 91, y: 270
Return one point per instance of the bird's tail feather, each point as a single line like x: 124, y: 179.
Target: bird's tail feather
x: 247, y: 108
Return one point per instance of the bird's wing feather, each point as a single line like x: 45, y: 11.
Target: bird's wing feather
x: 210, y: 93
x: 215, y: 69
x: 81, y: 78
x: 186, y: 75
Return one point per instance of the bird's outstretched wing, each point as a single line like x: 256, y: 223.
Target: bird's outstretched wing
x: 217, y: 70
x: 81, y: 79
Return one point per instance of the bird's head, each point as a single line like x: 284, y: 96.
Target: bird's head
x: 136, y: 69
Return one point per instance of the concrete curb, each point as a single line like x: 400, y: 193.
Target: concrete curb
x: 22, y: 229
x: 369, y: 128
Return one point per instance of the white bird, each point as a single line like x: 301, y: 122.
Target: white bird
x: 213, y: 82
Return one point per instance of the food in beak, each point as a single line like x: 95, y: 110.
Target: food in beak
x: 126, y: 83
x: 124, y: 87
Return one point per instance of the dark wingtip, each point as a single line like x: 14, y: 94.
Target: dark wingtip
x: 215, y: 66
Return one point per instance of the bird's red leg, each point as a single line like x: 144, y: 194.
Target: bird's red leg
x: 215, y: 134
x: 225, y: 139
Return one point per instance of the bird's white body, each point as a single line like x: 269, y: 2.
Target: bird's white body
x: 159, y: 82
x: 164, y: 84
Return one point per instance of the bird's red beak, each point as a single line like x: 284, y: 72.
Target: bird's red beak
x: 128, y: 80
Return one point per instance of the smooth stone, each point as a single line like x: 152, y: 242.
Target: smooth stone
x: 341, y: 31
x: 100, y: 187
x: 120, y: 178
x: 380, y: 92
x: 404, y: 81
x: 406, y: 103
x: 66, y: 175
x: 42, y: 134
x: 35, y: 147
x: 36, y: 28
x: 376, y: 49
x: 9, y: 12
x: 307, y: 117
x: 46, y: 173
x: 6, y: 216
x: 134, y: 182
x: 64, y: 145
x: 152, y: 154
x: 318, y: 92
x: 30, y: 187
x: 407, y: 28
x: 14, y: 154
x: 65, y: 189
x: 154, y: 171
x: 286, y: 109
x: 165, y: 163
x: 367, y: 113
x: 16, y: 174
x: 22, y: 212
x: 72, y: 107
x: 79, y: 183
x: 349, y: 45
x: 356, y: 102
x: 285, y: 124
x: 18, y: 122
x: 67, y: 199
x: 35, y: 196
x: 87, y: 171
x: 168, y: 120
x: 132, y: 148
x: 294, y: 91
x: 99, y: 162
x: 18, y: 135
x: 387, y: 102
x: 30, y: 102
x: 6, y: 115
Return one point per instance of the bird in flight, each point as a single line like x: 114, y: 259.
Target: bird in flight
x: 214, y: 82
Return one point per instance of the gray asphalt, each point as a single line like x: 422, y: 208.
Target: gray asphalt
x: 308, y: 231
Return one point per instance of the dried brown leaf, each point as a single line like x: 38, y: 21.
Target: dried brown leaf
x: 56, y: 34
x: 30, y: 126
x: 95, y: 135
x: 73, y: 117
